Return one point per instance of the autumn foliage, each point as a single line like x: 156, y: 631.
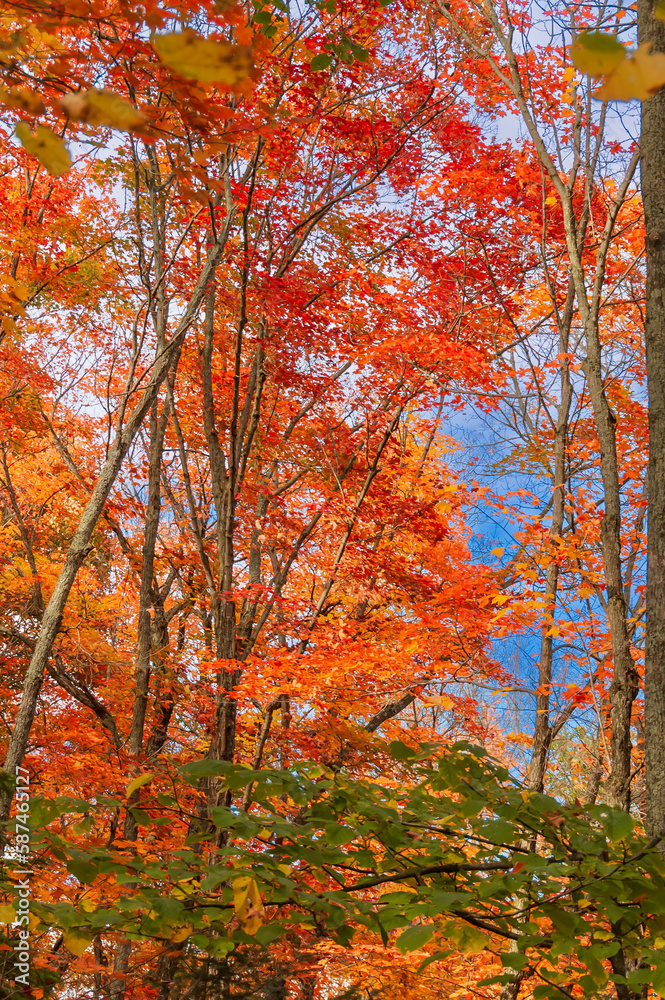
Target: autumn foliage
x: 323, y: 445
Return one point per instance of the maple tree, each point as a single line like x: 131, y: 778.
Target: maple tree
x: 260, y: 264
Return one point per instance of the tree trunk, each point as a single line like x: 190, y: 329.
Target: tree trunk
x: 543, y: 730
x: 144, y: 638
x: 652, y: 145
x: 625, y: 682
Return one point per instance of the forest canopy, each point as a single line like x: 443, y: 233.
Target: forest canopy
x: 332, y: 563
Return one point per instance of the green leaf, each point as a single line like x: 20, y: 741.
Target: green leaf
x: 400, y: 751
x: 438, y: 956
x: 414, y: 938
x: 106, y: 800
x: 617, y: 824
x: 545, y: 992
x: 7, y: 782
x: 204, y: 769
x: 360, y: 53
x: 268, y: 932
x: 337, y: 836
x: 222, y: 817
x: 514, y: 960
x: 141, y: 816
x: 565, y: 922
x: 345, y: 935
x: 391, y: 921
x: 214, y: 879
x: 125, y: 878
x: 499, y: 832
x: 658, y: 981
x: 83, y: 871
x: 320, y: 62
x: 596, y: 970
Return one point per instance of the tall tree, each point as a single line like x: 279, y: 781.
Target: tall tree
x: 652, y: 145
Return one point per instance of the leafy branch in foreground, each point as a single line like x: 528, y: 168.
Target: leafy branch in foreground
x: 432, y: 858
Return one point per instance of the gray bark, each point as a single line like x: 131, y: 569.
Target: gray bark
x: 543, y: 730
x: 144, y: 639
x: 389, y: 711
x: 652, y: 145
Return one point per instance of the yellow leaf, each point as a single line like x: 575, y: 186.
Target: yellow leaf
x: 660, y: 12
x: 139, y: 782
x: 252, y: 921
x: 439, y: 699
x: 247, y: 903
x: 24, y: 100
x: 640, y: 76
x: 17, y: 292
x: 181, y: 934
x: 48, y: 147
x: 596, y: 54
x: 204, y: 59
x: 497, y: 552
x: 240, y: 888
x: 7, y: 914
x: 102, y: 107
x: 76, y: 941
